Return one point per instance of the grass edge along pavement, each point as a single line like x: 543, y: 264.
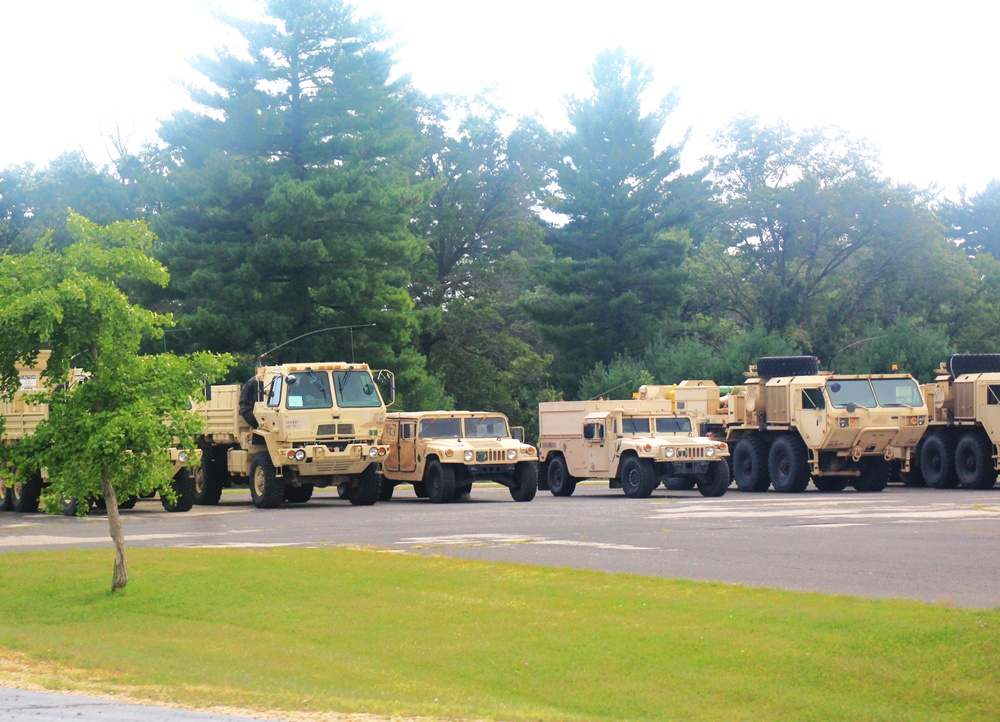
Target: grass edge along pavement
x: 313, y: 630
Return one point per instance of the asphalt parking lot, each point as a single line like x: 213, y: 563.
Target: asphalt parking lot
x: 923, y: 544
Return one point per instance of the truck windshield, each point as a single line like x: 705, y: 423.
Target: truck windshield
x: 632, y: 425
x: 850, y: 391
x: 897, y: 392
x: 355, y: 389
x: 673, y: 426
x: 486, y: 426
x: 440, y: 428
x: 309, y: 390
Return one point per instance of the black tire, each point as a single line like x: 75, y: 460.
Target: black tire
x: 248, y: 397
x: 974, y: 461
x: 788, y: 464
x: 831, y: 483
x: 184, y: 488
x: 71, y: 506
x: 750, y: 464
x: 680, y: 483
x: 129, y: 503
x: 24, y: 496
x: 298, y: 494
x: 874, y: 474
x: 420, y: 489
x: 973, y: 363
x: 343, y: 491
x: 385, y: 489
x: 6, y: 504
x: 525, y: 484
x: 266, y: 489
x: 638, y: 477
x: 937, y: 461
x: 366, y: 491
x: 558, y: 476
x: 209, y: 477
x: 716, y: 480
x: 463, y: 493
x: 769, y: 367
x: 440, y: 480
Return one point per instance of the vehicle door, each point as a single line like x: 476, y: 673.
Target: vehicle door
x: 406, y: 449
x: 812, y: 415
x: 595, y: 443
x: 390, y: 437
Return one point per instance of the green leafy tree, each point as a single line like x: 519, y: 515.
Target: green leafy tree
x: 617, y: 274
x: 288, y: 197
x: 975, y: 220
x: 109, y: 435
x: 908, y: 347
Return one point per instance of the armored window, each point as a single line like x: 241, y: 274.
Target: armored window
x: 355, y: 389
x: 275, y: 398
x: 897, y: 392
x: 993, y: 395
x: 486, y: 427
x: 813, y: 399
x: 406, y: 430
x: 309, y: 390
x: 674, y: 425
x: 635, y: 426
x: 593, y: 431
x: 441, y: 429
x: 850, y: 391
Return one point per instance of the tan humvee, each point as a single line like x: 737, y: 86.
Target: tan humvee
x: 791, y: 421
x: 634, y: 444
x: 294, y: 427
x: 443, y: 452
x: 961, y: 447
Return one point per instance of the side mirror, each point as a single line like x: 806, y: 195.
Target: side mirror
x: 517, y: 432
x: 208, y: 391
x: 385, y: 379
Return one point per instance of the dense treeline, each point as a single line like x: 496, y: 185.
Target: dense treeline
x: 502, y: 263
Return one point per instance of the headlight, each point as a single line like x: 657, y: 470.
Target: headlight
x: 300, y: 455
x: 512, y: 454
x: 182, y: 457
x: 469, y: 455
x: 710, y: 451
x: 669, y: 453
x: 373, y: 452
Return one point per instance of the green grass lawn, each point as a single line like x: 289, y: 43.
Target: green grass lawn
x: 346, y: 630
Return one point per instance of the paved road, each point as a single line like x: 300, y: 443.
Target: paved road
x: 19, y: 706
x: 932, y: 545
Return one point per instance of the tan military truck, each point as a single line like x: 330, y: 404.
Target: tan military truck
x: 634, y: 444
x: 960, y: 448
x: 23, y: 415
x: 791, y: 421
x: 441, y: 453
x: 294, y: 427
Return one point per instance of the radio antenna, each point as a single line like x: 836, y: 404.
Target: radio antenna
x: 260, y: 359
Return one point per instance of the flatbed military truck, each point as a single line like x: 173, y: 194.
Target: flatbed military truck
x: 633, y: 444
x: 960, y: 448
x: 441, y: 453
x: 791, y: 421
x: 292, y: 428
x: 22, y: 416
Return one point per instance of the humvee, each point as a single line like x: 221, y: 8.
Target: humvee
x: 634, y: 444
x: 441, y: 453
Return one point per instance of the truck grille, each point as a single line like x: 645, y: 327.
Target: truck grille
x: 690, y: 452
x: 484, y: 457
x: 331, y: 467
x: 326, y: 430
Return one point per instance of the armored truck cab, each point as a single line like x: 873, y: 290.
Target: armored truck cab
x: 294, y: 427
x: 634, y: 444
x: 443, y: 452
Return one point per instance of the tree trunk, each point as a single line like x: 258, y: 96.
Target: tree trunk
x: 120, y: 577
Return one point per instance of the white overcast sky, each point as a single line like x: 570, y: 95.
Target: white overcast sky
x: 918, y: 79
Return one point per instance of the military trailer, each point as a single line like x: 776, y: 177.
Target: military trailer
x: 960, y: 448
x: 441, y: 453
x: 292, y: 428
x: 22, y: 416
x: 634, y: 444
x: 791, y: 421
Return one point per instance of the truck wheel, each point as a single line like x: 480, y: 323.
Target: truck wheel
x: 298, y: 494
x: 560, y: 482
x: 750, y: 464
x: 70, y: 505
x: 716, y: 480
x: 208, y: 478
x: 831, y: 483
x: 5, y: 501
x: 366, y: 491
x: 440, y: 480
x: 463, y: 493
x: 420, y: 489
x: 788, y: 464
x: 769, y: 367
x: 638, y: 477
x: 385, y: 489
x: 129, y: 503
x: 525, y: 481
x: 183, y: 485
x: 24, y: 496
x: 266, y: 489
x: 937, y: 461
x: 874, y: 474
x: 974, y: 461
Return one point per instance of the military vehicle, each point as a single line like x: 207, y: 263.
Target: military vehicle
x: 23, y: 415
x: 294, y: 427
x: 791, y: 421
x: 960, y: 448
x: 634, y: 444
x: 441, y: 453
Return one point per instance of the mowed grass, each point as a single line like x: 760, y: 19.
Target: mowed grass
x: 357, y: 630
